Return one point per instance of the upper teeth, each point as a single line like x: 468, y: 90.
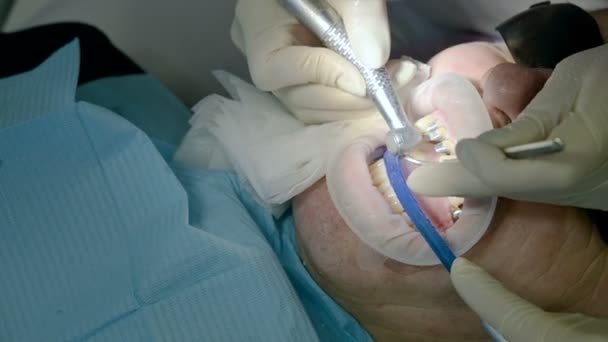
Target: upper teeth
x: 445, y: 147
x: 425, y: 123
x: 381, y: 181
x: 436, y: 133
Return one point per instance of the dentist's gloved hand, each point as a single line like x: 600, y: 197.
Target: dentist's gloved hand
x: 515, y: 318
x: 573, y: 105
x: 315, y: 83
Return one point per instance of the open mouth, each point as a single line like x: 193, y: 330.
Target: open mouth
x: 438, y: 146
x: 361, y: 191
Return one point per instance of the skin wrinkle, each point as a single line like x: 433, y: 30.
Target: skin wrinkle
x: 564, y: 255
x: 399, y: 302
x: 589, y: 270
x: 434, y: 316
x: 599, y: 295
x: 538, y: 279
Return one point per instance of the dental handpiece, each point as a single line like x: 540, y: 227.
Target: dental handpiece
x: 319, y: 17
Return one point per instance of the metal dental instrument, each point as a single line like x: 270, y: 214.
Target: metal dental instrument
x: 535, y: 149
x: 524, y: 151
x: 319, y: 17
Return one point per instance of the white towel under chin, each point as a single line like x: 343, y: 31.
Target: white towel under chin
x: 275, y: 155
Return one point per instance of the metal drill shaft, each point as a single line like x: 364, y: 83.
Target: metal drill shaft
x: 324, y: 21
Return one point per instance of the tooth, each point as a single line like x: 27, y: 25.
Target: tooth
x: 446, y: 147
x: 425, y: 123
x: 375, y: 166
x: 382, y: 183
x: 456, y: 202
x: 456, y: 214
x: 437, y: 133
x: 377, y: 177
x: 409, y: 222
x: 385, y: 187
x: 391, y: 195
x: 396, y: 206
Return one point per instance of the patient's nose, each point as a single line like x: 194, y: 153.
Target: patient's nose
x: 508, y: 88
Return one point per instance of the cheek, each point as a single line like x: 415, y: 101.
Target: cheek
x: 344, y: 266
x: 327, y: 246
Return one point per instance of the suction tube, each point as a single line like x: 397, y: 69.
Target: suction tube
x: 413, y: 210
x: 424, y: 225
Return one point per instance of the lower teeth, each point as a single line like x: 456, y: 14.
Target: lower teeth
x: 382, y: 183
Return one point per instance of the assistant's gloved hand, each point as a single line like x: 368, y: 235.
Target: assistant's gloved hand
x: 573, y: 106
x: 515, y: 318
x: 315, y: 83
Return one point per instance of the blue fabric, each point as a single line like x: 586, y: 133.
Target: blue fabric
x: 331, y: 322
x: 96, y: 242
x: 142, y: 100
x: 50, y: 86
x: 100, y: 239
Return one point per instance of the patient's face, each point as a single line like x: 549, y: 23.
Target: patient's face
x: 546, y: 254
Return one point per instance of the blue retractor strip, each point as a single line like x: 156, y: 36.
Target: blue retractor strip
x: 424, y: 225
x: 412, y: 208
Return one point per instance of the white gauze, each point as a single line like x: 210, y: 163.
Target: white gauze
x: 276, y: 155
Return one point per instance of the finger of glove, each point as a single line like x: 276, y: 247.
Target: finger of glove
x: 269, y: 34
x: 315, y: 103
x: 446, y: 179
x: 366, y: 24
x: 576, y: 327
x: 515, y: 176
x: 297, y: 65
x: 525, y: 130
x: 514, y: 317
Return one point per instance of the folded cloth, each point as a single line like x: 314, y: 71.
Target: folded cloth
x: 96, y: 242
x: 274, y: 153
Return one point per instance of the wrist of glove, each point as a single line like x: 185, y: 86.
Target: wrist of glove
x: 515, y: 318
x: 572, y: 106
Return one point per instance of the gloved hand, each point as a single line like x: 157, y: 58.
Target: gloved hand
x: 572, y: 106
x: 515, y: 318
x: 315, y: 83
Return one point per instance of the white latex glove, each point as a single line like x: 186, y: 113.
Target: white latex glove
x: 315, y: 83
x: 517, y: 319
x: 573, y: 106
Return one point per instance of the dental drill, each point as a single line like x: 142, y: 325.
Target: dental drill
x: 320, y: 18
